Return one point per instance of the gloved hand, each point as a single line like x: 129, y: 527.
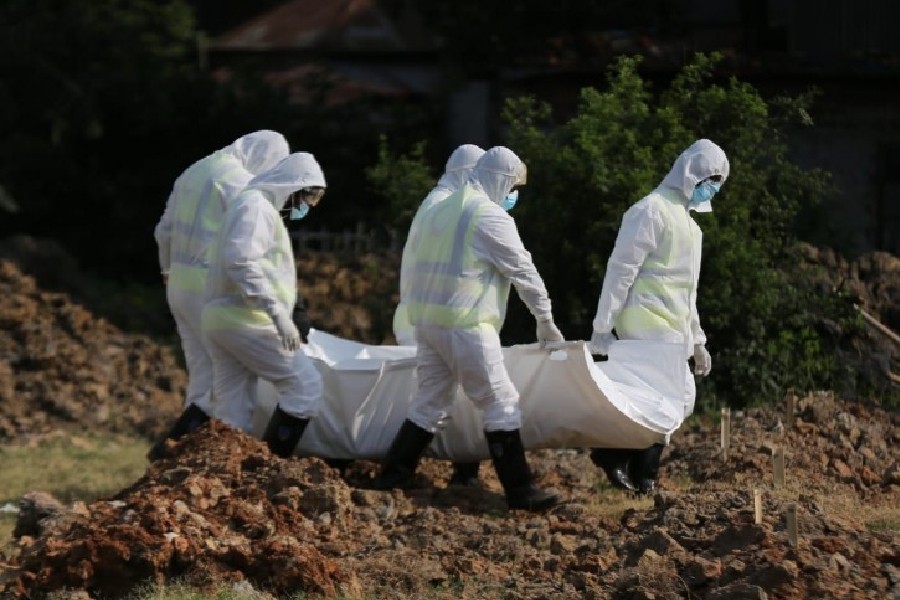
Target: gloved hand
x: 600, y: 342
x: 287, y: 331
x: 548, y: 333
x: 702, y: 360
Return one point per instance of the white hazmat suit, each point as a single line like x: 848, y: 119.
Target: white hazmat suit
x: 456, y: 174
x: 466, y: 253
x: 251, y: 291
x: 650, y: 288
x: 187, y: 231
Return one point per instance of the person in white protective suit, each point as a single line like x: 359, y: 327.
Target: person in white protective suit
x: 456, y: 173
x: 184, y: 235
x: 650, y: 288
x: 466, y: 254
x: 251, y: 292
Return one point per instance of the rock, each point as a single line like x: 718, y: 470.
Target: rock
x: 562, y: 544
x: 698, y: 571
x: 36, y: 511
x: 738, y: 591
x: 775, y: 576
x: 737, y: 536
x: 892, y: 474
x: 842, y: 470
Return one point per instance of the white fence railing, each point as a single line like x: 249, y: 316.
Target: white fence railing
x: 357, y: 241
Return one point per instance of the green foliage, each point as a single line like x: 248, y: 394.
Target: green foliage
x: 92, y: 89
x: 769, y: 325
x: 763, y: 316
x: 402, y: 181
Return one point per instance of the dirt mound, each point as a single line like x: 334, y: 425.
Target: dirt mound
x: 221, y: 507
x: 872, y: 279
x: 351, y: 296
x: 830, y: 448
x: 872, y: 283
x: 61, y: 367
x: 205, y: 514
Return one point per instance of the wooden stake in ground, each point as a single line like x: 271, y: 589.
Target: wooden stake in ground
x: 778, y: 467
x: 757, y: 506
x: 791, y: 518
x: 790, y: 406
x: 726, y: 431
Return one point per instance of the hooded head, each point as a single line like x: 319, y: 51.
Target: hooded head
x: 294, y: 172
x: 702, y: 160
x: 498, y: 171
x: 261, y: 150
x: 459, y: 166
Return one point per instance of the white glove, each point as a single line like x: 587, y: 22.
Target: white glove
x: 287, y: 331
x: 549, y: 333
x: 702, y: 360
x: 600, y: 342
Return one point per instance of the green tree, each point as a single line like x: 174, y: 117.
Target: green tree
x: 402, y: 180
x: 97, y: 109
x: 762, y: 313
x: 103, y: 104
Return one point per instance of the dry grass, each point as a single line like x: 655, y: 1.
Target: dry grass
x: 239, y: 591
x: 68, y: 467
x: 612, y: 503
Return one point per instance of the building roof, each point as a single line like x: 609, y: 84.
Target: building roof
x: 329, y: 26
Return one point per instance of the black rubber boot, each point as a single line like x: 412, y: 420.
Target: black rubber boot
x: 508, y: 455
x: 465, y: 474
x: 615, y: 463
x: 189, y: 421
x: 403, y: 456
x: 644, y: 468
x: 283, y: 432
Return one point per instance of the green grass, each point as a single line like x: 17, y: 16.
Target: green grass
x: 888, y: 524
x: 69, y: 468
x: 178, y: 591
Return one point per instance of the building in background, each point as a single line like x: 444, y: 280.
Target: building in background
x: 848, y: 49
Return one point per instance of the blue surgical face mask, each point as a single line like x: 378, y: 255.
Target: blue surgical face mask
x: 510, y: 200
x: 298, y: 212
x: 705, y: 191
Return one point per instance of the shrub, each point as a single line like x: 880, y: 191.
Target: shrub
x: 764, y: 315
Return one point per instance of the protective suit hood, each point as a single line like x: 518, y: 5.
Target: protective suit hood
x: 701, y: 160
x: 260, y: 151
x: 295, y: 171
x: 498, y: 171
x: 459, y: 166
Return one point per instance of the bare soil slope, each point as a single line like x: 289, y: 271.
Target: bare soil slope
x: 63, y: 368
x: 221, y: 507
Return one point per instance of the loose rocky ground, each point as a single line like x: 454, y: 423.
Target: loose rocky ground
x: 62, y: 367
x: 220, y: 507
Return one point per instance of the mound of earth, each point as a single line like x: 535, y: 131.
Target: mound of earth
x: 220, y: 508
x: 63, y: 368
x: 872, y: 283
